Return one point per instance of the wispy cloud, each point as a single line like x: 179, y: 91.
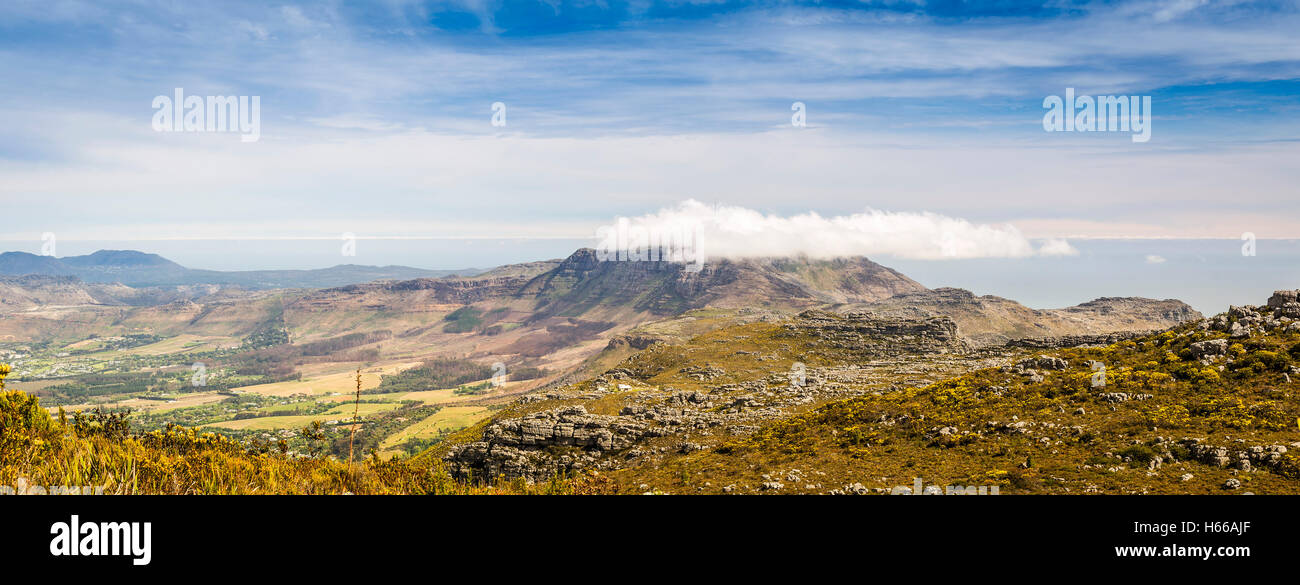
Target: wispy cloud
x: 737, y: 232
x: 381, y: 114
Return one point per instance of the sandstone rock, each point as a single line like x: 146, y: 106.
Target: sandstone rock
x: 515, y: 448
x: 1282, y: 297
x: 1045, y: 363
x: 1209, y: 349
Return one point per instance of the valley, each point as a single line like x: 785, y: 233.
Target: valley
x: 425, y: 369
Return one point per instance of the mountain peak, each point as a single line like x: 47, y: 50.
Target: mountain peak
x: 106, y: 258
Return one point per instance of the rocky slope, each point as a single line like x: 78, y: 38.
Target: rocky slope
x: 862, y: 404
x: 721, y: 384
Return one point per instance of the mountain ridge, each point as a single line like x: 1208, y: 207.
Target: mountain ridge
x: 141, y: 269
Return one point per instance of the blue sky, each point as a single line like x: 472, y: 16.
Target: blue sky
x: 376, y: 116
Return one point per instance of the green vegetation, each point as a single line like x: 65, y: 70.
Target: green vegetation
x: 1062, y: 434
x: 463, y: 320
x: 270, y: 333
x: 435, y: 374
x: 528, y: 373
x: 97, y: 450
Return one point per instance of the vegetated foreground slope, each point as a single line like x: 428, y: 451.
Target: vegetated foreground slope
x: 862, y: 404
x: 95, y: 454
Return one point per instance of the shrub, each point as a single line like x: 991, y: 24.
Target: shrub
x: 1139, y: 453
x: 1174, y: 416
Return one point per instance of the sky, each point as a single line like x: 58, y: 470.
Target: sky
x: 377, y: 119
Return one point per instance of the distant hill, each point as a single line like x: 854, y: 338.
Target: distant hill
x: 140, y: 269
x: 23, y: 263
x: 991, y: 320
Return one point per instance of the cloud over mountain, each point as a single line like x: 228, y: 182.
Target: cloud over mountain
x: 739, y: 232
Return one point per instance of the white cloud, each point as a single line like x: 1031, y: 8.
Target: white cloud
x: 1057, y: 247
x: 1154, y: 259
x: 738, y: 232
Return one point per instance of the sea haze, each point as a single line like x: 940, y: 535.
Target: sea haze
x: 1210, y: 275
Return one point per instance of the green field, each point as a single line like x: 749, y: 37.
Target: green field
x: 451, y: 418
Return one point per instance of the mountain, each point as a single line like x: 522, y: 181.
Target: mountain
x: 582, y: 286
x: 558, y: 314
x: 582, y: 283
x: 140, y: 269
x: 128, y: 267
x: 992, y: 320
x: 579, y: 303
x: 21, y: 263
x: 582, y: 310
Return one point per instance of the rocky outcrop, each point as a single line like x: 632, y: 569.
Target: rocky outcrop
x: 1029, y: 368
x: 869, y: 334
x: 1076, y: 340
x: 634, y: 341
x: 1209, y: 349
x: 1244, y: 459
x: 1169, y: 311
x: 538, y: 446
x: 1282, y: 311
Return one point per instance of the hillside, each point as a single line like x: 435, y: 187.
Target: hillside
x: 101, y: 453
x: 861, y: 404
